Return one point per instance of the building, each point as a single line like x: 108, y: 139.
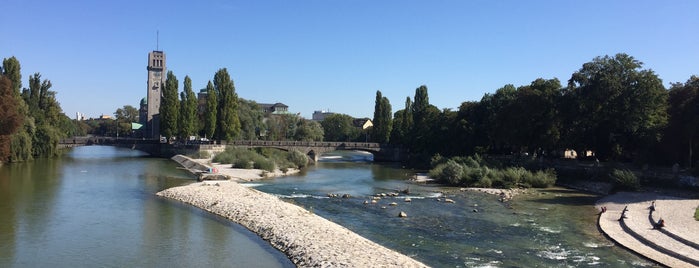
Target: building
x: 277, y: 108
x: 156, y: 69
x: 363, y: 123
x: 321, y: 115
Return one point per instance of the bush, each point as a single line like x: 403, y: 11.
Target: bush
x: 473, y: 171
x: 625, y: 180
x: 297, y: 158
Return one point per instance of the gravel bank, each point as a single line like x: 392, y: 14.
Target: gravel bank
x: 308, y: 240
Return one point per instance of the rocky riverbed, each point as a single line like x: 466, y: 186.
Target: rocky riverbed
x: 308, y: 240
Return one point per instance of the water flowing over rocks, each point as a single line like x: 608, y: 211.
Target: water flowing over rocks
x: 309, y: 240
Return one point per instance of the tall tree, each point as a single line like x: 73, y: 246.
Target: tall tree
x: 618, y: 109
x: 403, y: 124
x: 169, y: 107
x: 10, y: 117
x: 211, y: 112
x: 11, y: 69
x: 229, y: 123
x: 682, y: 134
x: 188, y: 110
x: 382, y: 119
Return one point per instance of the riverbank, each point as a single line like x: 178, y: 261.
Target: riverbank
x: 674, y: 245
x: 307, y: 239
x: 201, y: 168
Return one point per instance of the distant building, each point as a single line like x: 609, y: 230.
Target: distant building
x: 321, y: 115
x: 363, y: 123
x: 79, y: 116
x: 105, y: 117
x: 202, y: 96
x: 277, y: 108
x: 156, y: 69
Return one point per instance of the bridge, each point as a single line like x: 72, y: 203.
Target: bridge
x: 381, y: 152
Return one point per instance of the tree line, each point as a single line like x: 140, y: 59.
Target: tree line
x: 31, y: 119
x: 611, y: 106
x: 225, y: 116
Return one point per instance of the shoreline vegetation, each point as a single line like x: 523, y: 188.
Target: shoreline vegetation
x: 307, y: 239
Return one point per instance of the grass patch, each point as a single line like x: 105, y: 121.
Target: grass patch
x: 696, y: 214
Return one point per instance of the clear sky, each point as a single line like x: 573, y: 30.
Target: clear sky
x: 332, y: 54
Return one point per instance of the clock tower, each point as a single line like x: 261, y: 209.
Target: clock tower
x: 156, y: 79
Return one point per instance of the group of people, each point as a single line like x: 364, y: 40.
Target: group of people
x: 657, y: 225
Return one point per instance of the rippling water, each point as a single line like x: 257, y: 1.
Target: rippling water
x: 545, y: 228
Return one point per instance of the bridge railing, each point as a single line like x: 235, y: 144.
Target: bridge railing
x: 307, y: 144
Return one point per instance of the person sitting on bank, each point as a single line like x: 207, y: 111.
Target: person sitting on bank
x: 660, y: 224
x: 623, y: 213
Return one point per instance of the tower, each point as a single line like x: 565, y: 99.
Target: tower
x: 156, y: 79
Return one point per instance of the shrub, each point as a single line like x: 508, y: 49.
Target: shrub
x: 200, y: 155
x: 451, y: 173
x: 297, y: 158
x: 625, y: 180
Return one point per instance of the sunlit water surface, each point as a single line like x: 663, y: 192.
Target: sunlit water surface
x: 95, y: 207
x: 545, y: 228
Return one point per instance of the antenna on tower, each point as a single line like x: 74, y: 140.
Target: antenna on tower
x: 157, y: 40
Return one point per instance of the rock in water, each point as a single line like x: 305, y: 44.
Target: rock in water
x: 402, y: 214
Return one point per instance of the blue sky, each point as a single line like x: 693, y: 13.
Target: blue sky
x: 331, y: 54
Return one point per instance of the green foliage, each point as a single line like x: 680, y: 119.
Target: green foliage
x: 127, y: 114
x: 339, y: 127
x: 211, y: 112
x: 169, y: 107
x: 625, y: 180
x: 308, y: 130
x: 228, y: 120
x: 615, y: 107
x: 475, y: 172
x: 696, y: 214
x: 262, y: 158
x: 188, y: 111
x: 382, y: 119
x: 282, y: 127
x: 251, y: 120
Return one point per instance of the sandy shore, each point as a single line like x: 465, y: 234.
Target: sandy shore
x: 198, y: 166
x: 674, y: 246
x: 307, y: 239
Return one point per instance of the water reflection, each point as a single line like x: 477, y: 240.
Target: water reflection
x: 96, y: 207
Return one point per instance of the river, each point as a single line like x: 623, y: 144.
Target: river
x: 95, y: 206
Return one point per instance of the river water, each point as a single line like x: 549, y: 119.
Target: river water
x: 96, y: 206
x: 544, y: 228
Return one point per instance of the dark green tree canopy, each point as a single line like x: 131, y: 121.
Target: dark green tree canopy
x: 228, y: 120
x: 615, y: 106
x: 169, y: 107
x: 383, y: 124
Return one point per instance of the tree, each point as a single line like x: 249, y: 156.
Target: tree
x: 308, y: 130
x: 682, y: 131
x: 282, y: 126
x: 251, y: 120
x: 382, y: 119
x: 403, y: 124
x: 211, y: 112
x: 10, y: 117
x: 339, y: 127
x: 229, y: 123
x: 127, y: 113
x: 11, y: 69
x: 188, y: 110
x: 616, y: 108
x: 169, y: 107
